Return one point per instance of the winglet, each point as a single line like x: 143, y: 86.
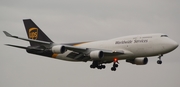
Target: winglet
x: 7, y: 34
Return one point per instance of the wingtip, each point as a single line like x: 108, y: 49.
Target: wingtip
x: 7, y: 44
x: 7, y: 34
x: 22, y: 47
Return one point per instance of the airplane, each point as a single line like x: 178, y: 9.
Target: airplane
x: 134, y: 49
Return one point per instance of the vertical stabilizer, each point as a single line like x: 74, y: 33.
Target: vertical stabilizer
x: 34, y: 32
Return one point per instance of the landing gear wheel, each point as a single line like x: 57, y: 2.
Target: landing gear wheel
x: 159, y: 62
x: 92, y: 66
x: 99, y: 67
x: 103, y: 66
x: 115, y: 65
x: 113, y: 68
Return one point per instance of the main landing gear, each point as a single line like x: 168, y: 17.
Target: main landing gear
x: 115, y: 64
x: 160, y: 61
x: 98, y: 65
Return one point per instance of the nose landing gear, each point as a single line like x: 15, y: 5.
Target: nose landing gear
x: 115, y: 64
x: 160, y: 61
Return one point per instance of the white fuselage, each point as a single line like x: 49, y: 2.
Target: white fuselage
x: 133, y: 46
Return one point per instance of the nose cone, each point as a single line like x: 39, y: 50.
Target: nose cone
x: 173, y: 44
x: 169, y: 45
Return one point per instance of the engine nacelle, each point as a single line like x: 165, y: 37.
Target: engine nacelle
x: 138, y: 61
x: 97, y: 54
x: 58, y: 49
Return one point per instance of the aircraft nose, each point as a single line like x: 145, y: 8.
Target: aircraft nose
x: 174, y: 44
x: 170, y: 45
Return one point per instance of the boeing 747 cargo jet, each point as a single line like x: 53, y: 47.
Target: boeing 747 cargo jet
x: 134, y: 49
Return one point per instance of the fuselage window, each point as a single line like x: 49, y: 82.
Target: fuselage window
x: 164, y: 36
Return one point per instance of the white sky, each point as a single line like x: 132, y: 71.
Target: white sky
x: 82, y: 20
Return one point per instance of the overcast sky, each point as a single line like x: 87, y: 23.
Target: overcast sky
x: 82, y: 20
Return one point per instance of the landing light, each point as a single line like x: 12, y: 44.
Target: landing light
x: 115, y: 59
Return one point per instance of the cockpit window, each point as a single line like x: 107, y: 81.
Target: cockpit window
x: 164, y: 35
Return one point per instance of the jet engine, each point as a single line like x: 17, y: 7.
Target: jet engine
x: 97, y: 54
x: 58, y: 49
x: 138, y: 61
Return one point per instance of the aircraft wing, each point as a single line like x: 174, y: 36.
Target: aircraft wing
x: 31, y: 40
x: 16, y: 46
x: 80, y: 53
x: 81, y: 49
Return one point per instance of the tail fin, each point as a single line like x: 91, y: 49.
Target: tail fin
x: 34, y: 32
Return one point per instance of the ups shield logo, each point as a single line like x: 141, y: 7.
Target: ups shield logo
x: 33, y: 33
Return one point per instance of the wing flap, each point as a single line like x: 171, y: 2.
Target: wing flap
x: 78, y: 56
x: 76, y: 49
